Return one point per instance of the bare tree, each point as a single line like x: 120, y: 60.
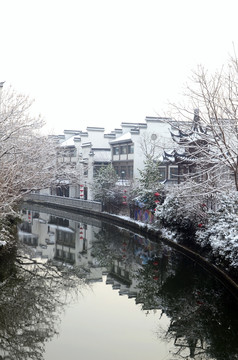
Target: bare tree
x: 209, y: 142
x: 27, y: 159
x: 152, y: 145
x: 206, y: 147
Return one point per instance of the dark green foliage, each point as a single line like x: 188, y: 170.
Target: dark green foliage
x: 106, y: 190
x: 149, y: 184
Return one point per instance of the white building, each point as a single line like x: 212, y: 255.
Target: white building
x: 138, y: 140
x: 82, y: 153
x: 62, y: 240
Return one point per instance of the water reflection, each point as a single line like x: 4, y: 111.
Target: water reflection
x: 30, y: 303
x: 202, y: 315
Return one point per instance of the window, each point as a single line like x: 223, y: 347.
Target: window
x: 69, y: 152
x: 58, y: 221
x: 123, y: 150
x: 116, y: 169
x: 130, y: 172
x: 162, y: 173
x: 71, y: 257
x: 65, y: 238
x: 131, y: 149
x: 123, y: 172
x: 72, y: 152
x: 96, y: 170
x: 85, y: 170
x: 173, y: 173
x: 116, y: 150
x: 97, y: 166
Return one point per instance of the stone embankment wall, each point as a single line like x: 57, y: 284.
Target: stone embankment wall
x: 94, y: 209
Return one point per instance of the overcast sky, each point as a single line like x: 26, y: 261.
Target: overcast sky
x: 102, y: 62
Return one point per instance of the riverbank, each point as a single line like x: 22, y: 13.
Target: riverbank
x: 92, y: 209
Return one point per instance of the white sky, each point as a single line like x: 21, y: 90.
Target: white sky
x: 101, y: 62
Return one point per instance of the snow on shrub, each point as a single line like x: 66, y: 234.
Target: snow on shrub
x: 7, y: 230
x: 221, y: 230
x: 217, y: 230
x: 182, y: 210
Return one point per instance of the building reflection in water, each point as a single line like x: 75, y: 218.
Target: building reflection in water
x: 91, y: 248
x: 151, y: 273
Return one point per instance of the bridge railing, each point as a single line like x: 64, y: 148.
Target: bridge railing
x: 66, y: 202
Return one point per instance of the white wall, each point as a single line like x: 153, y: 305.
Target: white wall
x: 163, y: 141
x: 94, y: 137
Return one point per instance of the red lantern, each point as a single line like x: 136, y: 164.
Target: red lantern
x: 200, y: 302
x: 156, y: 194
x: 200, y: 225
x: 124, y: 202
x: 124, y: 196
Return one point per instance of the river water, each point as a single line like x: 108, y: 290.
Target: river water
x: 84, y: 289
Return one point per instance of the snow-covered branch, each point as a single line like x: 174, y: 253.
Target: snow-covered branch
x: 27, y: 159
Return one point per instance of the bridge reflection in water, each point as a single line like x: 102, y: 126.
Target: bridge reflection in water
x: 177, y: 310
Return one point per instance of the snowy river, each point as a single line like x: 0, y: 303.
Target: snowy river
x: 109, y: 293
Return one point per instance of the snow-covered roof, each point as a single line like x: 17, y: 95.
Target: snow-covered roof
x: 86, y: 144
x: 156, y: 119
x: 26, y: 234
x: 101, y: 155
x: 111, y: 135
x: 62, y: 228
x: 125, y: 137
x: 69, y: 142
x: 95, y: 128
x: 133, y: 125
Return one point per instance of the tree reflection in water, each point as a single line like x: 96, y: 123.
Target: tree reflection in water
x: 202, y: 316
x: 200, y: 311
x: 31, y: 301
x: 203, y: 321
